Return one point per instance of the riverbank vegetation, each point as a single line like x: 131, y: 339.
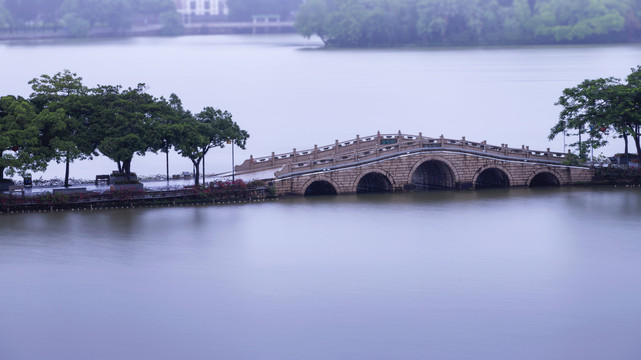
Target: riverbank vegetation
x: 600, y: 110
x: 64, y: 120
x: 364, y: 23
x: 79, y: 18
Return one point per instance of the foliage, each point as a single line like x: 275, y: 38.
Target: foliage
x: 127, y: 123
x: 206, y: 130
x: 64, y: 118
x: 596, y: 108
x: 467, y: 22
x: 18, y: 137
x: 76, y: 26
x: 5, y: 17
x: 171, y: 23
x: 66, y: 121
x: 243, y: 10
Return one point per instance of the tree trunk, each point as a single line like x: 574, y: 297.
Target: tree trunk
x: 167, y: 160
x: 126, y: 168
x: 196, y: 165
x: 625, y: 141
x: 119, y: 167
x: 637, y: 142
x: 67, y: 172
x: 2, y: 171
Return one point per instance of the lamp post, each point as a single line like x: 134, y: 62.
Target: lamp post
x: 233, y: 172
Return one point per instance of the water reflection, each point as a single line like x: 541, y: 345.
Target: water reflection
x: 500, y: 273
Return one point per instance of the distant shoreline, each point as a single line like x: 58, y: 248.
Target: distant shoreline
x: 218, y: 28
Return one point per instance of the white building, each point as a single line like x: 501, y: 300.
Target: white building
x: 188, y: 8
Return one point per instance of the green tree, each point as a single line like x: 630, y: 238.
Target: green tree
x: 171, y: 23
x: 243, y: 10
x: 33, y: 10
x: 5, y: 16
x: 126, y: 123
x: 208, y: 129
x: 312, y: 18
x: 64, y: 118
x: 18, y: 136
x: 113, y: 13
x: 584, y: 109
x: 596, y: 106
x: 571, y: 20
x: 76, y: 26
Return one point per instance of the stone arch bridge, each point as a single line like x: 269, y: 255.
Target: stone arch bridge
x: 402, y: 162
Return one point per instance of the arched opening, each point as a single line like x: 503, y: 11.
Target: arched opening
x: 320, y: 187
x: 492, y: 178
x: 544, y: 179
x: 433, y: 175
x: 373, y: 183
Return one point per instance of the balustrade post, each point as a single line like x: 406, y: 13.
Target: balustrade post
x: 295, y: 155
x: 251, y: 162
x: 505, y: 150
x: 420, y: 140
x: 273, y: 158
x: 358, y: 141
x: 548, y: 154
x: 463, y: 141
x: 442, y: 141
x: 527, y: 152
x: 336, y: 147
x: 399, y: 137
x: 315, y: 152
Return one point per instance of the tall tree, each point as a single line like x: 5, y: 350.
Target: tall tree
x: 210, y: 128
x: 596, y: 106
x: 65, y: 118
x: 125, y: 122
x: 18, y: 136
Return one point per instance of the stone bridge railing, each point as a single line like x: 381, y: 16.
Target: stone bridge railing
x: 370, y: 148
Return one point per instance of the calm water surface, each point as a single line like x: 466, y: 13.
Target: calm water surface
x: 497, y: 274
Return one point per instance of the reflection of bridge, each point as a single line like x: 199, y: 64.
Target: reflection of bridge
x: 401, y: 162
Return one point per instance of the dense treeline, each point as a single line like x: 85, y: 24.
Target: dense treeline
x: 64, y: 121
x: 243, y: 10
x: 601, y: 109
x: 357, y: 23
x: 80, y: 16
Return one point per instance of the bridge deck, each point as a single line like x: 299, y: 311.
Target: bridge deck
x: 381, y: 146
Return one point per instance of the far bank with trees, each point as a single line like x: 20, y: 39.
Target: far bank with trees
x: 371, y: 23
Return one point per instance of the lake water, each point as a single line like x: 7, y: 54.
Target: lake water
x: 287, y: 93
x: 495, y: 274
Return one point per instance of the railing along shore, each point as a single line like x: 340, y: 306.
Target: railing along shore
x: 381, y: 145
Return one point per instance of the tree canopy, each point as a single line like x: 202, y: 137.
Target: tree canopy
x: 18, y: 135
x: 598, y: 108
x: 64, y: 118
x: 63, y: 121
x: 357, y: 23
x: 208, y: 129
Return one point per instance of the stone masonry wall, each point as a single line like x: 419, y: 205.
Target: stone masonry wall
x: 465, y: 168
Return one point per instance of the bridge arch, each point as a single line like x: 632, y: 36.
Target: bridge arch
x: 320, y: 185
x: 492, y: 176
x: 544, y: 177
x: 374, y: 180
x: 434, y: 172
